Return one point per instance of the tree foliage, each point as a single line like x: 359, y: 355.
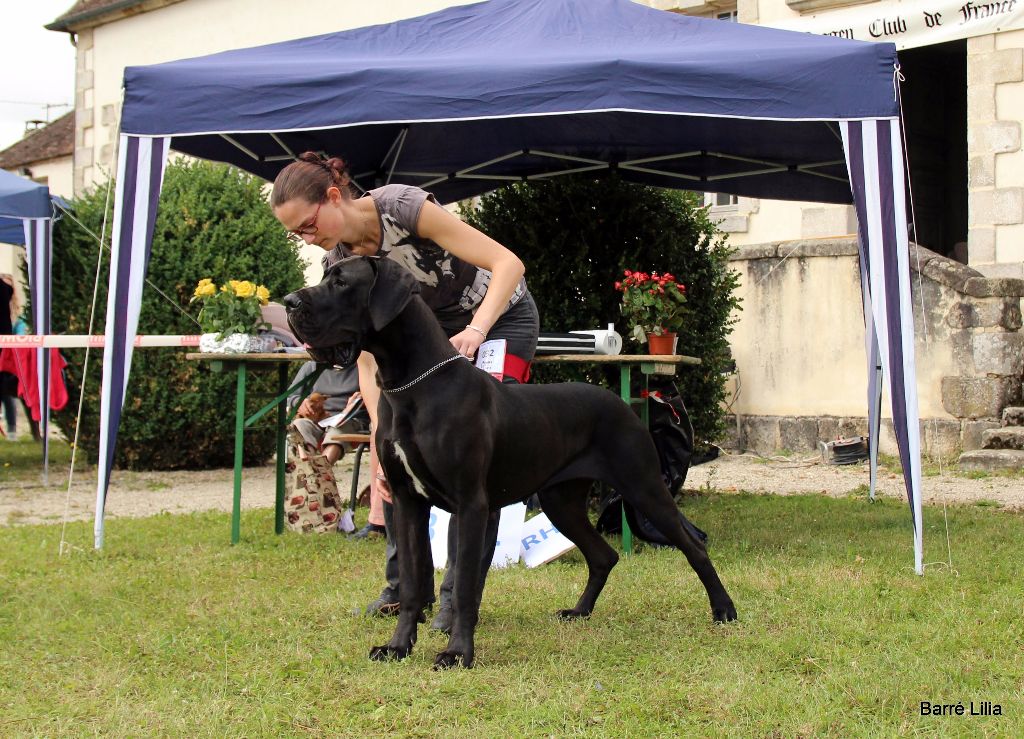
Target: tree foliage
x: 578, y: 234
x: 213, y: 222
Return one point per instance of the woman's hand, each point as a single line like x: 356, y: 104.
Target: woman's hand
x: 467, y: 341
x: 382, y: 484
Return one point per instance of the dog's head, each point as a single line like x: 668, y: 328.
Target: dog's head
x: 357, y: 296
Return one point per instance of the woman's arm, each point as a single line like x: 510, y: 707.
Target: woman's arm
x: 480, y: 250
x: 367, y: 368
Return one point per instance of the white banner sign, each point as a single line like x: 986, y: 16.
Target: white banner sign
x: 510, y: 526
x: 542, y: 542
x: 913, y: 23
x: 506, y: 551
x: 439, y: 536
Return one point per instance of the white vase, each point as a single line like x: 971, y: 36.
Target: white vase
x: 236, y: 344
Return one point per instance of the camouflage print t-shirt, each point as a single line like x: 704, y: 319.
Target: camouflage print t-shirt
x: 449, y: 286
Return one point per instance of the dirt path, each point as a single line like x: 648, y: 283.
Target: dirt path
x: 149, y: 493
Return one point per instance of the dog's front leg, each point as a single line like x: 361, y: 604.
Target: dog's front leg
x: 468, y: 583
x: 415, y: 572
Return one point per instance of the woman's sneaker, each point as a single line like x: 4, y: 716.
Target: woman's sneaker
x: 369, y: 531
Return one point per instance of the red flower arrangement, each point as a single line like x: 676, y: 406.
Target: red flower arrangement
x: 652, y: 303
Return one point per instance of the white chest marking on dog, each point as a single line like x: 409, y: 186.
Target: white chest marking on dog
x: 400, y: 453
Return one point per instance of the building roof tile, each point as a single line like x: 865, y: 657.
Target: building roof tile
x: 54, y: 140
x: 84, y: 11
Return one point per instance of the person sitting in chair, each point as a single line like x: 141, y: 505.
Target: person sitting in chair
x: 335, y: 391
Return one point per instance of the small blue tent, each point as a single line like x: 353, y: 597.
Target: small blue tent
x: 26, y: 217
x: 466, y: 99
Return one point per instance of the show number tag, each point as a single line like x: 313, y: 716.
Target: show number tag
x: 490, y: 357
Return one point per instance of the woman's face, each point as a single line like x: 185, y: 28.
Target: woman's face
x: 323, y: 224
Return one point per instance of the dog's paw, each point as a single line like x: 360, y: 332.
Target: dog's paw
x: 571, y: 614
x: 724, y: 613
x: 447, y: 660
x: 388, y: 653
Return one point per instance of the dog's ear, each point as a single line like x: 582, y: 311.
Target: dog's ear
x: 392, y: 289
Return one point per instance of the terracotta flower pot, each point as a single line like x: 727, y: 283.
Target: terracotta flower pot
x: 664, y: 344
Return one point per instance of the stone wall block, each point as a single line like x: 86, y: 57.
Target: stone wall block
x: 997, y: 137
x: 999, y: 207
x: 962, y: 350
x: 981, y: 171
x: 1000, y: 353
x: 731, y: 438
x: 979, y: 397
x: 940, y: 437
x: 981, y: 103
x: 981, y: 44
x: 985, y: 313
x: 948, y: 272
x: 823, y: 248
x: 1005, y: 437
x: 1012, y: 319
x: 734, y: 223
x: 825, y: 221
x: 971, y: 435
x: 754, y: 251
x: 995, y: 67
x: 841, y: 427
x: 798, y: 434
x: 981, y: 245
x: 987, y: 287
x: 760, y: 434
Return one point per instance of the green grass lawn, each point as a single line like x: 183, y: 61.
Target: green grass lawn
x: 171, y: 632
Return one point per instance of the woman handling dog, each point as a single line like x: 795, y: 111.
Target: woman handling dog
x: 473, y: 284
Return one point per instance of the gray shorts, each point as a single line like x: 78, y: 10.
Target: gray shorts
x: 519, y: 326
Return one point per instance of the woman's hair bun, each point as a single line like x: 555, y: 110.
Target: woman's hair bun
x: 338, y: 164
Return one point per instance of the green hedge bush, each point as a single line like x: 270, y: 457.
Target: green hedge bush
x: 577, y: 234
x: 213, y: 221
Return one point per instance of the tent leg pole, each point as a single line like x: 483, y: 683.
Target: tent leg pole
x: 625, y: 391
x: 236, y: 508
x: 282, y: 386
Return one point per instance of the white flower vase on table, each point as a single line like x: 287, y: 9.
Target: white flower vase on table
x: 232, y: 317
x: 236, y: 344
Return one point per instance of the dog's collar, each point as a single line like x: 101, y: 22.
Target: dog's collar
x: 436, y: 367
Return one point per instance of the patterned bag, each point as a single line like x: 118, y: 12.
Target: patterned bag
x: 312, y: 504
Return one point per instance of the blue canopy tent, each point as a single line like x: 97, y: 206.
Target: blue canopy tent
x: 26, y: 217
x: 471, y: 97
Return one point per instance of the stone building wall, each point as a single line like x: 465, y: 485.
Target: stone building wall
x: 802, y: 374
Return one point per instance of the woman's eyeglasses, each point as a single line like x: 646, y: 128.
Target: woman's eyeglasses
x: 307, y: 229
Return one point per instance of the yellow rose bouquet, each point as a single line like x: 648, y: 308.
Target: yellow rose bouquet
x: 233, y: 308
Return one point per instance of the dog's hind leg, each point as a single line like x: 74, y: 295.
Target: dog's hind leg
x: 632, y: 468
x: 566, y: 505
x: 633, y: 472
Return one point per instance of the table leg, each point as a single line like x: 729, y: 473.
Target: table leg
x: 236, y: 508
x: 625, y: 392
x: 282, y: 385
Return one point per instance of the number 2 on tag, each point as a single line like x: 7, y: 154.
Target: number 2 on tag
x: 490, y: 357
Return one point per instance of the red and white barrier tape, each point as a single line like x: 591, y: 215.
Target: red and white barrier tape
x: 80, y: 341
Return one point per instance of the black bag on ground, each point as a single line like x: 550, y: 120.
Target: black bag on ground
x: 672, y: 434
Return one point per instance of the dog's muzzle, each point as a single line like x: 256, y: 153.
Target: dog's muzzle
x: 308, y: 330
x: 342, y: 355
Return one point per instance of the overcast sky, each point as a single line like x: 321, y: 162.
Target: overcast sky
x: 38, y: 65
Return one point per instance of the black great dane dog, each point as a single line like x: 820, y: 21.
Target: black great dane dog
x: 450, y: 435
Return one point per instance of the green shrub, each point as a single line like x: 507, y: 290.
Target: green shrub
x: 213, y: 221
x: 577, y: 234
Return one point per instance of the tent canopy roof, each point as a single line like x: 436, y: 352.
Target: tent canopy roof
x: 528, y: 83
x: 22, y: 198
